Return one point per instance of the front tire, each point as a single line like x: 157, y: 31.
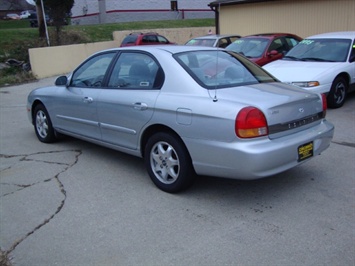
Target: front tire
x: 337, y: 93
x: 43, y: 125
x: 168, y: 163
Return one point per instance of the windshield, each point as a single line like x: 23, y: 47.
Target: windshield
x: 221, y: 69
x: 249, y: 47
x: 328, y: 50
x: 201, y: 42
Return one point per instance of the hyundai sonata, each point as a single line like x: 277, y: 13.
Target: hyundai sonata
x: 186, y: 110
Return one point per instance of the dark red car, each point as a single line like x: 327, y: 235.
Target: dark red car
x: 264, y: 48
x: 149, y: 38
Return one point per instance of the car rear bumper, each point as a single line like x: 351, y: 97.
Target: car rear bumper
x: 257, y: 158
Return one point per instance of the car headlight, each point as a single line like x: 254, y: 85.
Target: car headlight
x: 306, y: 84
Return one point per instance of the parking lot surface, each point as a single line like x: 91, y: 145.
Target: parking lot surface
x: 74, y: 203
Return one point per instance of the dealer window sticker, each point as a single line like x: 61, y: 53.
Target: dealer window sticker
x: 307, y: 42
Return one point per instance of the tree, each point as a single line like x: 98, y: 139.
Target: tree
x: 58, y: 12
x: 40, y: 19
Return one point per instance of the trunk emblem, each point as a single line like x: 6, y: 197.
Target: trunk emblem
x: 301, y: 110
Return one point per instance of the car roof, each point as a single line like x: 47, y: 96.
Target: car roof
x: 143, y: 33
x: 168, y: 48
x: 270, y: 35
x: 214, y: 36
x: 338, y: 34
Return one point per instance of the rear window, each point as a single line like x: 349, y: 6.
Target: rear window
x: 249, y: 47
x: 201, y: 42
x: 129, y: 39
x: 221, y: 69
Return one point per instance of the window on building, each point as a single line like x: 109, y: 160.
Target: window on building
x: 174, y: 5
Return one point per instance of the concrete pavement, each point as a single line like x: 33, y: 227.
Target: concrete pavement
x: 74, y: 203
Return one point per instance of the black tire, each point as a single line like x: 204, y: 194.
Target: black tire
x: 43, y: 125
x: 337, y: 94
x: 168, y: 163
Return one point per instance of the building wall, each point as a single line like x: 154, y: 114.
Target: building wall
x: 301, y: 17
x: 88, y: 11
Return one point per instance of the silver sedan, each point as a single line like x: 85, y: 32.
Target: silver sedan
x: 186, y: 110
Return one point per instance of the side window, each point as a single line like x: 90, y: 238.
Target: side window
x: 291, y: 42
x: 352, y: 54
x: 161, y: 39
x: 136, y: 71
x: 145, y: 39
x: 153, y: 38
x: 223, y: 43
x: 92, y: 72
x: 276, y: 45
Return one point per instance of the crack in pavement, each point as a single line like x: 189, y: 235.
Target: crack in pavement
x: 25, y: 157
x: 343, y: 143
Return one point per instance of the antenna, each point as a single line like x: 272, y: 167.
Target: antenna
x: 215, y: 99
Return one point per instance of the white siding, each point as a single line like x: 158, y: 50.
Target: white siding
x: 87, y: 11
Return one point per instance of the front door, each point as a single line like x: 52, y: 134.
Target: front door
x: 77, y: 104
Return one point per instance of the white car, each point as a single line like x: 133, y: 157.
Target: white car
x: 25, y: 14
x: 323, y: 63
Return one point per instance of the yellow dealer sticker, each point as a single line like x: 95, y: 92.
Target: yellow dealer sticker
x: 305, y: 151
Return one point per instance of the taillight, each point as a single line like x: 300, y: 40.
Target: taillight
x: 251, y: 123
x: 324, y: 104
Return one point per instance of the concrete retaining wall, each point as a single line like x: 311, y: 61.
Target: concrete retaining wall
x: 59, y: 60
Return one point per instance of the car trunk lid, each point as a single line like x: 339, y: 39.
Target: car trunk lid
x: 287, y: 108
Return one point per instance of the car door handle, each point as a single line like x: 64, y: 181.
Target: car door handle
x: 88, y: 100
x: 140, y: 106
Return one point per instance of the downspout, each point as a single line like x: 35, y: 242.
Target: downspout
x: 215, y: 9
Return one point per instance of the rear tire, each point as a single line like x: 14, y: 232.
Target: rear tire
x: 43, y: 125
x: 168, y: 163
x: 337, y: 93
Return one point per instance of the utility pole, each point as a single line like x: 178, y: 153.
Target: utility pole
x: 102, y: 11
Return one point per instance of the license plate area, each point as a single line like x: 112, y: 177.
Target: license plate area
x: 305, y: 151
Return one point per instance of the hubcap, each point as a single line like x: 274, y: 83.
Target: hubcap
x: 339, y: 93
x: 41, y: 124
x: 164, y: 162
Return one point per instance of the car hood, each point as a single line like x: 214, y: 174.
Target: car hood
x: 288, y: 71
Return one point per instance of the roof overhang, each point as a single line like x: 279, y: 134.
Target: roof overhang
x: 235, y: 2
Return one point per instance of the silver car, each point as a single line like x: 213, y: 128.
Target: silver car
x: 186, y: 110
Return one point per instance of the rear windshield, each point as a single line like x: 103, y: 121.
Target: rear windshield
x: 201, y: 42
x: 327, y: 50
x: 129, y: 39
x: 221, y: 69
x: 249, y: 47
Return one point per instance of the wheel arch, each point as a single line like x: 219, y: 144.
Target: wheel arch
x: 153, y: 129
x: 33, y: 107
x: 344, y: 75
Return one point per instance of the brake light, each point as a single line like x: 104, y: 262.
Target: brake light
x: 324, y: 104
x: 251, y: 123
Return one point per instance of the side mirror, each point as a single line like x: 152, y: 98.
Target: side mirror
x: 61, y: 81
x: 352, y: 58
x: 273, y: 52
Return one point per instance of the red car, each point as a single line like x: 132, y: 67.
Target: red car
x: 149, y: 38
x: 264, y: 48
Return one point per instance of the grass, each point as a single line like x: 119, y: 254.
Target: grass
x: 16, y: 37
